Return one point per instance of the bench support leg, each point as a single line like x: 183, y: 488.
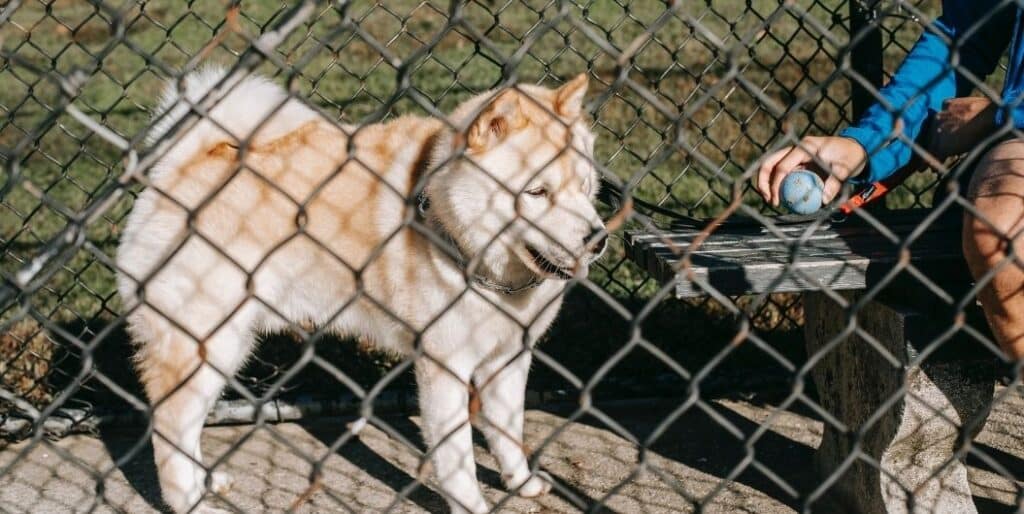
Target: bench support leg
x: 906, y: 460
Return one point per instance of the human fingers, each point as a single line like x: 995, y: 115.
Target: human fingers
x: 832, y: 187
x: 764, y: 173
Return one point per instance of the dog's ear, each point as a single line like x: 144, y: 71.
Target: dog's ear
x: 497, y: 120
x: 569, y: 97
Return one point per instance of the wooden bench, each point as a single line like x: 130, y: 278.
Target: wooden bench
x: 914, y: 408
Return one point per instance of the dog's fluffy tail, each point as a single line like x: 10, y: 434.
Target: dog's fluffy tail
x: 252, y: 104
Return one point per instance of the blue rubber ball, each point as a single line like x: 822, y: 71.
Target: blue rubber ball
x: 801, y: 192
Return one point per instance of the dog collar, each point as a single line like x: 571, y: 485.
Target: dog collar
x: 422, y: 208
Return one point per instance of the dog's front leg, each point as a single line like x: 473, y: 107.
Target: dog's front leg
x: 501, y: 382
x: 444, y: 402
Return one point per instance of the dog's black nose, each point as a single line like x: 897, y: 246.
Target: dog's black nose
x: 596, y: 239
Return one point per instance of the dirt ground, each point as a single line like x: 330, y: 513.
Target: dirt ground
x: 590, y: 461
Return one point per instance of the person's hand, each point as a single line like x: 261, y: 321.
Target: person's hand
x: 840, y: 157
x: 961, y: 125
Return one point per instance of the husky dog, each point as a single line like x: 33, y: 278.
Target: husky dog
x: 264, y: 216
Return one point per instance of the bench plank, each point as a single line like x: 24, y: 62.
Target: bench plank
x: 847, y: 255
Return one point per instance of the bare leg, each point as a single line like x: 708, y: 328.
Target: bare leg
x: 444, y: 407
x: 997, y: 191
x: 501, y: 383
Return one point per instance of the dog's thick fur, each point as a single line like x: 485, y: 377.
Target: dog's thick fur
x: 251, y: 225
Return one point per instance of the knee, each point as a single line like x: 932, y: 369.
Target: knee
x: 985, y: 238
x: 996, y: 194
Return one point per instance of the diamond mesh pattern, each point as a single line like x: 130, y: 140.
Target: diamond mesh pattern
x: 685, y: 98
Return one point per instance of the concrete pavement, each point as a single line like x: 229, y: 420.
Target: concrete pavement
x: 591, y: 462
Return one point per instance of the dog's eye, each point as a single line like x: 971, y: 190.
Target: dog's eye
x: 537, y: 191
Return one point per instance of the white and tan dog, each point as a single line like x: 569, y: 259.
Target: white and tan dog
x: 264, y: 216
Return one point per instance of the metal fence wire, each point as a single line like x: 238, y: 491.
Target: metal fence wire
x: 637, y: 401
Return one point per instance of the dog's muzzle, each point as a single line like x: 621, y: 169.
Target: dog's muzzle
x: 596, y: 242
x: 548, y: 266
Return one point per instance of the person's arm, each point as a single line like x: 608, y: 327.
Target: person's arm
x: 981, y: 31
x: 1013, y: 111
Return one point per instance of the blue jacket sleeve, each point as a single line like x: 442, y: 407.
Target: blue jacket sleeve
x: 927, y: 78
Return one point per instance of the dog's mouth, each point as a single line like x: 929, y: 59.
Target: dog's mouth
x: 546, y: 267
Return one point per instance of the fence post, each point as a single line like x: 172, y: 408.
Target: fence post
x: 865, y: 52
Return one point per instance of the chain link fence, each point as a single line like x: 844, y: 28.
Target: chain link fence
x: 641, y: 402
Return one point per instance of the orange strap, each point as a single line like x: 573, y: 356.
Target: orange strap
x: 877, y: 190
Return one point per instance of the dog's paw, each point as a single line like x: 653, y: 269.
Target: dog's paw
x: 475, y: 507
x: 537, y: 485
x: 206, y: 509
x: 221, y: 482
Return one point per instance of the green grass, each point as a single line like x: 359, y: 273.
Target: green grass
x: 685, y: 153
